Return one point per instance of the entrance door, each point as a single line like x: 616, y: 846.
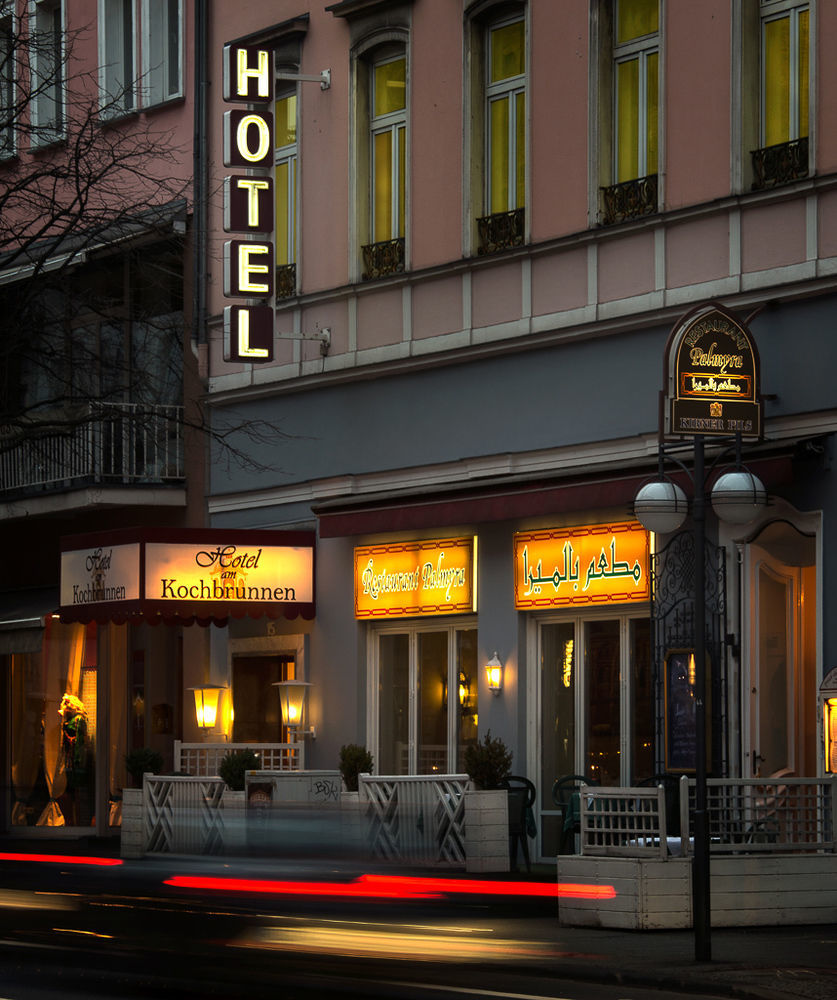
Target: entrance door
x: 596, y: 707
x: 782, y: 682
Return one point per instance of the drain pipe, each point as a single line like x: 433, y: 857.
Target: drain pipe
x: 199, y: 168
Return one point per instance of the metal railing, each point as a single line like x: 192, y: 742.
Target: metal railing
x: 744, y: 815
x: 126, y: 443
x: 204, y: 759
x: 418, y: 819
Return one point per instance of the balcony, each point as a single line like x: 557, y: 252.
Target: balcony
x: 501, y: 231
x: 381, y: 259
x: 105, y: 443
x: 629, y: 200
x: 780, y: 164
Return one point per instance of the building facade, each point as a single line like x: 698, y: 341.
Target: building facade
x: 489, y: 217
x: 99, y: 377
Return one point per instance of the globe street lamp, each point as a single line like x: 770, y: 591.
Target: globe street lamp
x: 661, y: 507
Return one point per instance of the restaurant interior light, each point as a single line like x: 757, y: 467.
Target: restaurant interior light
x: 206, y: 704
x: 494, y: 673
x: 292, y: 698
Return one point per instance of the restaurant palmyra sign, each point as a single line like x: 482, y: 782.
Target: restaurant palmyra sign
x: 416, y: 578
x: 711, y: 374
x: 249, y: 205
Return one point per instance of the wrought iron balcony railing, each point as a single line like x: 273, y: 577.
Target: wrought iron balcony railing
x: 780, y: 164
x: 629, y: 200
x: 125, y: 443
x: 381, y: 259
x: 501, y: 231
x: 285, y: 281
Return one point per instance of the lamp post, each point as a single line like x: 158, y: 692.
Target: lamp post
x: 661, y: 507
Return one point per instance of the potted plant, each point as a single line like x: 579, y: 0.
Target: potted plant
x: 142, y: 761
x: 487, y: 806
x: 354, y: 760
x: 234, y: 766
x: 487, y: 763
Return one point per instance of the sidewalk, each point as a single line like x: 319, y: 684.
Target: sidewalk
x: 763, y: 963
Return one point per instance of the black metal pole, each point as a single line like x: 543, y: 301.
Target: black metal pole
x: 701, y: 915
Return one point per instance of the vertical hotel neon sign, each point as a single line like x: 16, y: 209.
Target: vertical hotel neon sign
x: 248, y: 204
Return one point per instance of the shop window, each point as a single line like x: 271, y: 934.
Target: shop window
x: 497, y: 38
x: 285, y: 186
x: 53, y: 729
x: 784, y: 89
x: 47, y: 68
x: 426, y: 698
x: 629, y: 100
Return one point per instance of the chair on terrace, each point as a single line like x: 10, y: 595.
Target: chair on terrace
x: 565, y: 795
x: 522, y: 796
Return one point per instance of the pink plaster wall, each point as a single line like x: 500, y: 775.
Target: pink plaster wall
x: 697, y: 102
x: 772, y: 235
x: 697, y: 250
x: 559, y: 281
x: 559, y: 118
x: 436, y: 94
x: 437, y: 307
x: 496, y: 294
x: 826, y: 137
x: 626, y: 266
x: 380, y: 318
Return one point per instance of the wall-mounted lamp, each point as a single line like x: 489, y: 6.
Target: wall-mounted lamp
x: 494, y: 672
x: 292, y: 698
x: 828, y: 700
x: 206, y: 704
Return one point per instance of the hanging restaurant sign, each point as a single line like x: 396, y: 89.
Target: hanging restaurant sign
x: 429, y: 577
x: 570, y: 567
x: 712, y: 376
x: 187, y: 575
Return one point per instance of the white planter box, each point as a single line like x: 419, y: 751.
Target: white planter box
x: 487, y: 830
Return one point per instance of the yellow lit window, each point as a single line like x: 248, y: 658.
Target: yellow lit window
x: 636, y: 86
x: 285, y: 117
x: 506, y: 119
x: 785, y: 47
x: 389, y: 140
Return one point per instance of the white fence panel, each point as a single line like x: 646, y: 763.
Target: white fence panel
x: 418, y: 819
x: 183, y: 815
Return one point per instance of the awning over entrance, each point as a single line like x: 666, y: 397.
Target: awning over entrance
x: 186, y: 576
x: 499, y: 501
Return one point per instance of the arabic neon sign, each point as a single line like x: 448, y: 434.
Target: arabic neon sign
x: 570, y: 567
x: 408, y: 579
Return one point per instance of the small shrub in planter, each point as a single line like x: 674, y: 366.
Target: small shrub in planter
x: 354, y: 760
x: 142, y: 761
x: 233, y: 766
x: 487, y: 763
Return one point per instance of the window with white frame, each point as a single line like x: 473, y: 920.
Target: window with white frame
x: 46, y: 45
x: 285, y: 119
x: 388, y: 136
x: 505, y: 92
x: 117, y: 57
x: 7, y: 80
x: 784, y: 89
x: 636, y: 88
x: 162, y: 62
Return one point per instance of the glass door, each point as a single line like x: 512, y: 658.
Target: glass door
x: 425, y: 699
x: 596, y: 707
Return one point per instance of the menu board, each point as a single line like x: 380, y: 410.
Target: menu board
x: 680, y: 709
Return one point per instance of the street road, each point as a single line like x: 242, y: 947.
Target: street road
x: 193, y: 927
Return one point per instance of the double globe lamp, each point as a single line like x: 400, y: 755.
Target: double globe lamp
x: 737, y: 497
